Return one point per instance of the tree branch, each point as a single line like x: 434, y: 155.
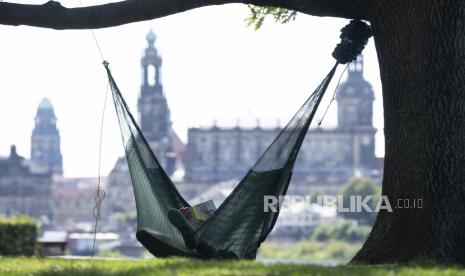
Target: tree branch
x: 54, y: 16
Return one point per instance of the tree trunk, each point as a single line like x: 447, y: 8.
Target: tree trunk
x: 421, y: 51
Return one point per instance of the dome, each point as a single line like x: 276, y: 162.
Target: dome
x: 356, y: 86
x: 45, y: 104
x: 45, y: 108
x: 151, y: 37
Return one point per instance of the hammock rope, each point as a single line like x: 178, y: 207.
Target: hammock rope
x: 100, y: 192
x: 334, y: 96
x: 240, y: 224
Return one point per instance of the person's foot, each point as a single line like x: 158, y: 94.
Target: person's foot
x: 180, y: 222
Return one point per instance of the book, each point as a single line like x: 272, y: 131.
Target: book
x: 200, y: 213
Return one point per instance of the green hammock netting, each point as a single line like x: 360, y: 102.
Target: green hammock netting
x: 239, y: 225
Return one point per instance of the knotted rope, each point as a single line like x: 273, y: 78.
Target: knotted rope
x: 354, y: 37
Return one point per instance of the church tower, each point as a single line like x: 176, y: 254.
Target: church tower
x: 355, y: 115
x: 155, y: 121
x: 45, y: 140
x: 355, y: 99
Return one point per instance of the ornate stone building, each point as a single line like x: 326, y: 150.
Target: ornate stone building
x: 327, y: 155
x: 74, y: 200
x: 155, y: 123
x: 45, y: 140
x: 23, y: 190
x: 154, y: 113
x: 26, y: 185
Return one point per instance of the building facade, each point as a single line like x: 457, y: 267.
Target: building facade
x: 45, y: 140
x: 26, y: 185
x: 74, y: 199
x: 119, y: 196
x: 155, y: 124
x: 23, y: 190
x: 327, y: 155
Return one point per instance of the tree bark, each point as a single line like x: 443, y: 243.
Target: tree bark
x: 421, y: 51
x: 54, y: 16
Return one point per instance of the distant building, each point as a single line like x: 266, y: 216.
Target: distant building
x: 155, y: 124
x: 155, y: 119
x: 74, y: 199
x: 216, y: 154
x: 45, y: 140
x: 120, y: 197
x: 81, y: 244
x: 298, y: 220
x: 22, y: 190
x: 327, y: 155
x: 328, y: 158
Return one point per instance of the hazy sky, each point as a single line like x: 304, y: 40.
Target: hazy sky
x: 214, y: 68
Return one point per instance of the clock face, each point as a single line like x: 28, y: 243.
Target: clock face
x: 351, y: 114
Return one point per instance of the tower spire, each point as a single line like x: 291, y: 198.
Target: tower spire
x: 151, y: 37
x: 45, y: 139
x: 356, y: 67
x: 155, y: 120
x: 151, y: 65
x: 355, y: 98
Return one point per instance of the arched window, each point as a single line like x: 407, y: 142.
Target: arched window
x: 151, y: 75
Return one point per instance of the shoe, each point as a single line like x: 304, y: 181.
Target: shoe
x: 180, y: 222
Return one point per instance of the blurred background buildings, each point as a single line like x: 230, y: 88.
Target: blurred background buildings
x: 207, y: 167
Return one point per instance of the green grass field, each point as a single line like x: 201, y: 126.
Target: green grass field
x: 181, y: 266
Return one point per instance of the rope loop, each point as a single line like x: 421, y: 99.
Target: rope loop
x: 354, y: 37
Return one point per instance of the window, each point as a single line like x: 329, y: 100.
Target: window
x: 151, y: 75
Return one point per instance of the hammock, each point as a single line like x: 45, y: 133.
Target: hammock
x: 239, y: 225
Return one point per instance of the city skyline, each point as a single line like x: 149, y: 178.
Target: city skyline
x: 232, y: 73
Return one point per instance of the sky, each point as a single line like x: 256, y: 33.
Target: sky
x: 215, y: 68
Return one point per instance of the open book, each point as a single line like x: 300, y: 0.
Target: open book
x: 199, y: 214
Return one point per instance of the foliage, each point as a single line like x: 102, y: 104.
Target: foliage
x: 345, y: 231
x: 129, y: 217
x: 181, y: 266
x: 362, y: 187
x: 331, y: 250
x: 18, y: 236
x: 258, y: 15
x: 331, y: 242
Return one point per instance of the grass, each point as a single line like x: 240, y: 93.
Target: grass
x: 182, y: 266
x: 339, y: 251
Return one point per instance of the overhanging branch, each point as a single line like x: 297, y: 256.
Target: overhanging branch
x: 54, y: 16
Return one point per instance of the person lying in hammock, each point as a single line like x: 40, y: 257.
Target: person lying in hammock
x: 188, y: 220
x: 179, y: 218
